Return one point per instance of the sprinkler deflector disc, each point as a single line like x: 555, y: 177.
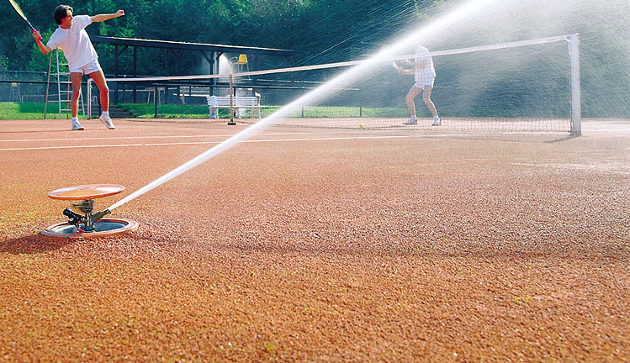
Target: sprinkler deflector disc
x: 83, y: 220
x: 86, y: 192
x: 102, y: 228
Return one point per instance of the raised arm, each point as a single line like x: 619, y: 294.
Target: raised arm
x: 38, y: 39
x: 405, y: 71
x: 408, y: 67
x: 103, y: 17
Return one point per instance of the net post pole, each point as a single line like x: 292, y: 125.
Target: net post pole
x: 231, y: 122
x: 576, y: 97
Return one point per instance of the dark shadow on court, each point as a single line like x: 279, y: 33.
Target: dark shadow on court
x: 512, y: 139
x: 33, y: 244
x: 565, y: 138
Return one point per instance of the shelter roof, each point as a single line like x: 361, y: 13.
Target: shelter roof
x: 167, y: 44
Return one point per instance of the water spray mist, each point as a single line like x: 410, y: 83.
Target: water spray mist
x: 466, y: 10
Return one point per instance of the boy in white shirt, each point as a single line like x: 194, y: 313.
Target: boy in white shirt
x: 82, y: 58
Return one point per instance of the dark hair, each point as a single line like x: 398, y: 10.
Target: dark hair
x: 61, y: 12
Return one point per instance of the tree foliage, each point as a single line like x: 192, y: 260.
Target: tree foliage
x: 322, y: 31
x: 318, y: 30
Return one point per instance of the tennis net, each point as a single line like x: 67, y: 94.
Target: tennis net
x: 530, y: 85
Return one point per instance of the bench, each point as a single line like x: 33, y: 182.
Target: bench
x: 239, y: 102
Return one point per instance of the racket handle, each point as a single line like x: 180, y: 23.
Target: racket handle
x: 40, y: 38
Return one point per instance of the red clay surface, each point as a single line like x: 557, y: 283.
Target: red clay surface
x: 319, y: 246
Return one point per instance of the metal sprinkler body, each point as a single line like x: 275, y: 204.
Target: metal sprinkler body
x: 82, y: 221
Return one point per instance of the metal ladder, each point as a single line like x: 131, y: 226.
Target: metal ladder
x: 64, y: 96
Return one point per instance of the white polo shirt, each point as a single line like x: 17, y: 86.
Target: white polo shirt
x: 424, y: 76
x: 75, y: 42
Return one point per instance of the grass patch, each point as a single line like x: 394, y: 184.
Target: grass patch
x: 35, y: 111
x: 166, y: 111
x: 28, y: 111
x: 201, y: 111
x: 332, y: 111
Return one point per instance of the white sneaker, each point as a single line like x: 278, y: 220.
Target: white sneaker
x: 107, y: 121
x: 76, y: 125
x: 411, y: 121
x: 436, y: 121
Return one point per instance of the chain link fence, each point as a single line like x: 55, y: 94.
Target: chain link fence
x: 22, y: 86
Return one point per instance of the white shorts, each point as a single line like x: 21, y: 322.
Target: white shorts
x: 424, y: 82
x: 424, y: 79
x: 89, y: 68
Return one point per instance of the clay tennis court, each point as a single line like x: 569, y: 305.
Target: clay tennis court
x: 319, y: 245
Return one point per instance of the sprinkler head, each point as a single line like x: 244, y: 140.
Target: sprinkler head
x: 99, y: 215
x: 84, y: 207
x: 87, y: 220
x: 74, y: 218
x: 82, y: 223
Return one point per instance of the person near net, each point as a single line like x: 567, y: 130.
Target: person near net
x: 424, y: 73
x: 77, y: 47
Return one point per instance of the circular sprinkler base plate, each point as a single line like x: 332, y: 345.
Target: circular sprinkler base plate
x: 102, y: 228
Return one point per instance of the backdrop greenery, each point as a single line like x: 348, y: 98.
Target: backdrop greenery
x: 322, y: 31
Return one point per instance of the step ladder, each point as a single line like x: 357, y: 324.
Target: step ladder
x: 64, y: 86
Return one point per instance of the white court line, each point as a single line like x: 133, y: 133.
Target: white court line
x: 609, y: 130
x: 142, y: 137
x: 218, y: 142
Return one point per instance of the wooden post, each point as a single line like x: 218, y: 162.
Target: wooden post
x: 135, y: 72
x: 155, y: 102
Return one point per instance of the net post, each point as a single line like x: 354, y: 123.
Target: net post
x: 576, y: 97
x: 231, y: 122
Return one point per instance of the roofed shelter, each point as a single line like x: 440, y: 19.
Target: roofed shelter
x: 211, y: 52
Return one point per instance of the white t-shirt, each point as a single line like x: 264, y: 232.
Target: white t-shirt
x: 75, y: 42
x: 428, y: 72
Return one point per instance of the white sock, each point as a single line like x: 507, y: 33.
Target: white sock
x: 105, y: 114
x: 75, y: 119
x: 414, y: 117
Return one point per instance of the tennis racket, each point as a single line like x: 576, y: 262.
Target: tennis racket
x: 19, y: 11
x: 399, y: 67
